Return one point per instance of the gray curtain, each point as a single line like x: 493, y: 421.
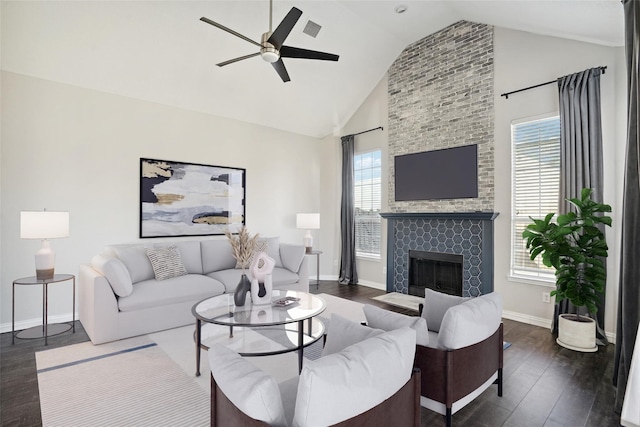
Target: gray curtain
x: 348, y: 272
x: 580, y: 157
x: 629, y: 290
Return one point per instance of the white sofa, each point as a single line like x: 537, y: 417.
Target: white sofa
x: 120, y: 297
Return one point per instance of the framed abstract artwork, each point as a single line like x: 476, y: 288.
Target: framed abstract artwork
x: 190, y: 199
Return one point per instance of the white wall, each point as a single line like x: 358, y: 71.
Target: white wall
x: 372, y: 113
x: 74, y: 149
x: 522, y: 60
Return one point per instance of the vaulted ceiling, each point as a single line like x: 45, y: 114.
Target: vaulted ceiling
x: 160, y: 51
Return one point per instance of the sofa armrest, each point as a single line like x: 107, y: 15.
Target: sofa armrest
x: 98, y: 306
x: 291, y: 256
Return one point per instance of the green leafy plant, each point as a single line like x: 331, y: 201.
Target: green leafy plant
x: 575, y: 247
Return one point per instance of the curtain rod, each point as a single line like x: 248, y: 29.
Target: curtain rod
x: 506, y: 95
x: 370, y: 130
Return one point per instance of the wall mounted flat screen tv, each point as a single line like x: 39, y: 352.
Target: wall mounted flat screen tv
x: 451, y: 173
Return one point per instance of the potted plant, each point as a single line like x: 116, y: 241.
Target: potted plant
x: 575, y: 247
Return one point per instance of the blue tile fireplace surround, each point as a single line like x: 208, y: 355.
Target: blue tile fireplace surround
x: 469, y: 234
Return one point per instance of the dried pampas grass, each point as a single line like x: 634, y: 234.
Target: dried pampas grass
x: 242, y: 246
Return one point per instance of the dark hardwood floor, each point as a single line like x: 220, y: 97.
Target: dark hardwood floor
x: 544, y: 384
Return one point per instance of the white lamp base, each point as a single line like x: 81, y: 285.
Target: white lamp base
x: 307, y: 240
x: 45, y: 261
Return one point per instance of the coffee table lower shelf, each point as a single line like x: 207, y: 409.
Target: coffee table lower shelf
x: 255, y: 341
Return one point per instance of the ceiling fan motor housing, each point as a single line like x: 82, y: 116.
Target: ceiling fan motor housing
x: 268, y: 52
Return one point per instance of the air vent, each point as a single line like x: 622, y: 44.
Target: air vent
x: 311, y: 29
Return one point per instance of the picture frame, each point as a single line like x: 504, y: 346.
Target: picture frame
x: 190, y: 199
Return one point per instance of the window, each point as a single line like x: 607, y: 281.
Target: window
x: 367, y: 168
x: 535, y: 186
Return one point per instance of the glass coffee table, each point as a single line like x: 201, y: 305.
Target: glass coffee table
x: 259, y: 330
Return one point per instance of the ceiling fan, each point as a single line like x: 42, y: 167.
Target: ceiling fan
x: 271, y: 45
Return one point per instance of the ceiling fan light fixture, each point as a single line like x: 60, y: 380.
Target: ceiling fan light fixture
x: 268, y: 52
x: 269, y: 55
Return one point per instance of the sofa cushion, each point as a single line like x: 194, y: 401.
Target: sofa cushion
x: 155, y: 293
x: 345, y: 333
x: 216, y: 255
x: 115, y: 272
x: 292, y: 256
x: 470, y: 322
x: 389, y: 320
x: 342, y: 385
x: 261, y: 246
x: 273, y: 250
x: 166, y: 262
x: 191, y: 256
x: 135, y: 259
x: 436, y: 305
x: 231, y: 277
x: 251, y: 390
x: 281, y: 277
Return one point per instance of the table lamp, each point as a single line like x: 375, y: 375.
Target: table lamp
x: 44, y: 225
x: 308, y: 221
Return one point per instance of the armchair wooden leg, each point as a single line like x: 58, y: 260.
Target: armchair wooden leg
x: 500, y: 382
x: 448, y: 417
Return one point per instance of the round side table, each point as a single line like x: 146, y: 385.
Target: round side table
x: 45, y: 330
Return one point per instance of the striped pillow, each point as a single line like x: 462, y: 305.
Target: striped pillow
x: 166, y: 262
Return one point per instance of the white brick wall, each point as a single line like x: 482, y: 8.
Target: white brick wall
x: 440, y: 96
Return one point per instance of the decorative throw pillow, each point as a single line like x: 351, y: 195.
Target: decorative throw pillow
x: 251, y: 390
x: 389, y: 320
x: 166, y: 262
x: 344, y: 333
x: 436, y: 305
x: 261, y: 246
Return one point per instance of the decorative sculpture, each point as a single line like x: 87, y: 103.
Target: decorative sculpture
x: 261, y: 280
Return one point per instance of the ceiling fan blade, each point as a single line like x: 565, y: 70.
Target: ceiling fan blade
x: 229, y: 30
x: 281, y: 70
x: 296, y: 52
x: 285, y: 27
x: 231, y: 61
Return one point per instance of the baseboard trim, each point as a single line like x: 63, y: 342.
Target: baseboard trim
x: 379, y: 286
x: 542, y: 322
x: 525, y: 318
x: 30, y: 323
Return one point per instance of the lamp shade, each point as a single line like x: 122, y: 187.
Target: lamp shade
x: 44, y: 225
x: 308, y: 221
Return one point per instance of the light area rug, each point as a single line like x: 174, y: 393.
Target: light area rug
x: 400, y: 300
x: 148, y: 380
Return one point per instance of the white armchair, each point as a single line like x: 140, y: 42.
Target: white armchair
x: 371, y: 383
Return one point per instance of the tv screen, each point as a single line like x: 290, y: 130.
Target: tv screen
x: 451, y: 173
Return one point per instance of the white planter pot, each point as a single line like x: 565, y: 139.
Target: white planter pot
x: 577, y: 335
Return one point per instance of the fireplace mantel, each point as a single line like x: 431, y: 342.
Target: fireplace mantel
x: 466, y: 233
x: 441, y: 215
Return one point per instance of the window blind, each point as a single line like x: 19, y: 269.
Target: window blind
x: 368, y: 202
x: 535, y: 187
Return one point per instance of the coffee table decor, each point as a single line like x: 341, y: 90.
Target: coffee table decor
x: 261, y: 283
x: 243, y: 247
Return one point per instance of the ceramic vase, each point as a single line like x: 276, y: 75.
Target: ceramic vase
x: 240, y: 295
x: 261, y: 292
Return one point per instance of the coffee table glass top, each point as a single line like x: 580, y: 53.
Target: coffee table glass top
x: 221, y: 310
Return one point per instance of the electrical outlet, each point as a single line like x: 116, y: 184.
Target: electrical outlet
x: 335, y: 262
x: 384, y: 270
x: 546, y: 297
